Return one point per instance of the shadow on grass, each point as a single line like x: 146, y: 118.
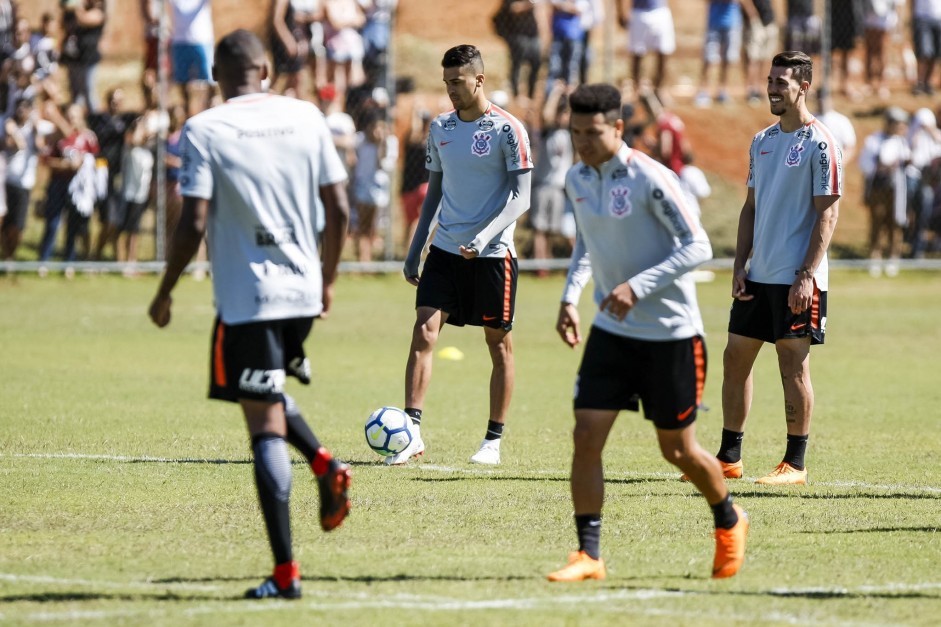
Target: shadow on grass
x: 66, y: 597
x: 368, y: 579
x: 792, y: 494
x: 813, y: 594
x: 880, y: 530
x: 540, y: 479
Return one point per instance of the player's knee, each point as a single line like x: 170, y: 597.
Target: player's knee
x: 424, y: 336
x: 587, y: 441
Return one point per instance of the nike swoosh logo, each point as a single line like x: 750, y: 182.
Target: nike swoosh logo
x: 766, y: 152
x: 594, y: 523
x: 489, y: 318
x: 686, y: 414
x: 582, y: 199
x: 798, y: 327
x: 446, y: 143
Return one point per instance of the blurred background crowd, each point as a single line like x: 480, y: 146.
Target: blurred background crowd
x: 90, y: 160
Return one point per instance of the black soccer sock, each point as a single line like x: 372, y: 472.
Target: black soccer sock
x: 494, y: 430
x: 796, y: 448
x: 588, y: 527
x: 273, y: 479
x: 731, y: 449
x: 724, y: 514
x: 414, y: 414
x: 301, y: 437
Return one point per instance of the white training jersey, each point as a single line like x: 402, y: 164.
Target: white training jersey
x: 787, y: 170
x: 475, y: 159
x: 635, y: 224
x: 261, y: 160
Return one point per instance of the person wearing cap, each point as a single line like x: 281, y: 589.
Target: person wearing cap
x: 882, y: 161
x: 252, y: 174
x: 780, y: 272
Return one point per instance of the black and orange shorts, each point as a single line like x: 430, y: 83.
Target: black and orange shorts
x: 666, y: 377
x: 479, y: 292
x: 767, y: 317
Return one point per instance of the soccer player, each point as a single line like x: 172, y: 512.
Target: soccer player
x: 795, y: 179
x: 640, y: 238
x: 479, y: 166
x: 253, y: 171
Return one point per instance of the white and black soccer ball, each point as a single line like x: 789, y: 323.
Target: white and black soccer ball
x: 388, y: 431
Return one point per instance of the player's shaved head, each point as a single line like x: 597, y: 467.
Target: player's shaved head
x: 464, y: 55
x: 597, y: 98
x: 239, y: 51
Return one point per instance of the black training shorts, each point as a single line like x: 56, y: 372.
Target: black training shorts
x: 479, y: 292
x: 668, y: 377
x: 767, y: 317
x: 252, y: 360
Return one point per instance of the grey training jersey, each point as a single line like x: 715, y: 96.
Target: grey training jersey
x: 635, y: 224
x: 475, y: 159
x: 786, y: 171
x: 261, y: 160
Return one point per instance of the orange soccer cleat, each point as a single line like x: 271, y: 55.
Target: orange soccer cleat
x: 581, y: 566
x: 784, y: 474
x: 730, y: 470
x: 730, y: 547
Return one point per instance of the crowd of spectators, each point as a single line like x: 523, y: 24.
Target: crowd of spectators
x: 71, y: 157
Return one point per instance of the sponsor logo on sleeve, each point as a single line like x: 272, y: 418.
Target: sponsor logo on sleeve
x: 481, y: 145
x: 672, y: 214
x: 825, y: 165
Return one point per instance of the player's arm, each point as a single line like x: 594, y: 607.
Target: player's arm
x: 800, y: 296
x: 675, y: 213
x: 183, y: 245
x: 575, y: 281
x: 429, y: 208
x: 516, y: 206
x: 744, y: 241
x: 337, y: 216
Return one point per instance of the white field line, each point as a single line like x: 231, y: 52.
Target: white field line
x: 331, y: 600
x: 460, y: 470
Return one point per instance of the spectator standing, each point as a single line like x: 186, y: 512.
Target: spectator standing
x: 110, y: 127
x: 670, y: 143
x: 761, y: 36
x: 377, y: 34
x: 592, y: 16
x: 839, y: 125
x: 879, y: 19
x: 136, y: 172
x: 882, y: 161
x: 722, y: 47
x: 344, y: 44
x: 414, y: 186
x: 926, y: 35
x: 23, y: 143
x: 191, y: 49
x: 923, y: 174
x: 67, y: 192
x: 554, y: 157
x: 567, y: 47
x: 650, y: 29
x: 377, y: 151
x: 846, y: 27
x: 296, y: 42
x: 802, y: 27
x: 7, y: 26
x: 515, y: 21
x: 83, y: 23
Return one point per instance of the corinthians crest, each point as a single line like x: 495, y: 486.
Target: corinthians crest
x: 794, y: 156
x: 481, y: 145
x: 620, y: 206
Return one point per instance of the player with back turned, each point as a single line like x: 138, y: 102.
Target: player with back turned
x: 254, y: 171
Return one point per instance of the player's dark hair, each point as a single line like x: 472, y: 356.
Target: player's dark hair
x: 464, y: 55
x: 240, y: 50
x: 597, y: 98
x: 802, y: 64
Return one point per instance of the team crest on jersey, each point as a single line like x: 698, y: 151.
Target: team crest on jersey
x: 620, y: 206
x: 450, y: 124
x: 794, y: 156
x: 485, y: 125
x: 481, y: 145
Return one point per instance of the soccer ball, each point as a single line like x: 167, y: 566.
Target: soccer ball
x: 388, y: 431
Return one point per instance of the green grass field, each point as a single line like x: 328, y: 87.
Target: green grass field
x: 128, y: 498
